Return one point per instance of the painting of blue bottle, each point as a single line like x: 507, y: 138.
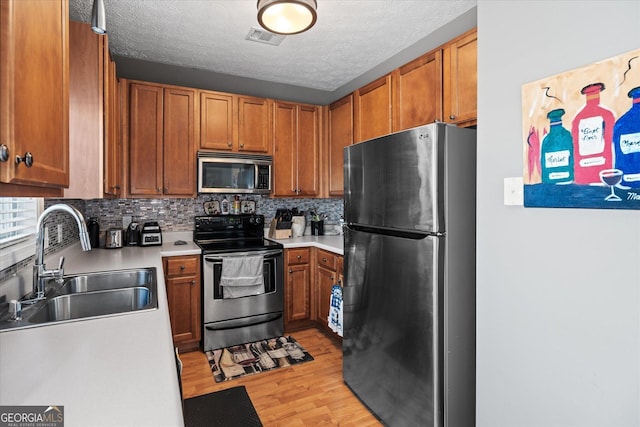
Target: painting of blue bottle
x: 581, y: 137
x: 626, y: 141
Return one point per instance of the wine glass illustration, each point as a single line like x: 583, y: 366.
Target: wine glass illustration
x: 611, y: 177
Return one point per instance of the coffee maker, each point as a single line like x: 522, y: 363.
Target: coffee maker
x: 132, y: 234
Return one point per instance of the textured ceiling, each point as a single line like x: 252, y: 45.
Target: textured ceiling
x: 350, y: 36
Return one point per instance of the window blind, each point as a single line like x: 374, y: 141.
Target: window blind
x: 18, y: 219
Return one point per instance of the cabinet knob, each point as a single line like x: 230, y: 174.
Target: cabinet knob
x: 229, y: 144
x: 182, y: 267
x: 158, y: 190
x: 452, y: 117
x: 27, y: 159
x: 299, y: 256
x: 324, y: 260
x: 4, y: 153
x: 241, y: 145
x: 193, y: 282
x: 290, y: 271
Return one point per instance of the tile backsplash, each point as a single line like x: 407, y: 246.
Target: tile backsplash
x: 178, y: 214
x: 171, y: 214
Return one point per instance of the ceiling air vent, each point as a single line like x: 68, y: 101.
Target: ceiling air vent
x: 263, y: 36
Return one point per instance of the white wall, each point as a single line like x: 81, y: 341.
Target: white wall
x: 558, y: 319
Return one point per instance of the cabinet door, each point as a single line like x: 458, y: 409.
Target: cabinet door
x: 308, y: 150
x: 86, y: 112
x: 325, y: 279
x: 284, y: 150
x: 373, y: 109
x: 181, y: 297
x: 254, y: 125
x: 112, y: 140
x: 461, y: 80
x: 298, y: 295
x: 182, y: 277
x: 340, y: 136
x: 179, y: 145
x: 145, y: 140
x: 417, y: 95
x: 216, y: 121
x: 34, y: 92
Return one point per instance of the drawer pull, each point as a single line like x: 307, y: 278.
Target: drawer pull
x: 324, y: 260
x: 182, y: 267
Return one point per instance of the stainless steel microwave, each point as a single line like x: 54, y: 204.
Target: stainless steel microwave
x: 234, y: 173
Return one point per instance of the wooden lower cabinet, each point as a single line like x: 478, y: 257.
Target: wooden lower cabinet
x: 310, y: 275
x: 182, y: 280
x: 297, y: 296
x: 328, y: 273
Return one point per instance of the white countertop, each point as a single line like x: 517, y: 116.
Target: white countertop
x: 114, y: 371
x: 333, y: 244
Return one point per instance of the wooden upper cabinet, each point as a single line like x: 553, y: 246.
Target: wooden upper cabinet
x: 254, y: 124
x: 372, y: 109
x: 217, y: 121
x: 296, y: 149
x: 308, y: 150
x: 94, y: 142
x: 113, y: 175
x: 179, y: 175
x: 145, y: 139
x: 417, y: 95
x: 340, y: 136
x: 285, y: 149
x: 34, y: 96
x: 460, y: 64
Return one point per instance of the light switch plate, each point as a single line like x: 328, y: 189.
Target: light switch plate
x: 513, y: 191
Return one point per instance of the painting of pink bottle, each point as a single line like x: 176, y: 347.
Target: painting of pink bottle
x: 592, y: 132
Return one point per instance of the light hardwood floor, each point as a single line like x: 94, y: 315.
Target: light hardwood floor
x: 310, y: 394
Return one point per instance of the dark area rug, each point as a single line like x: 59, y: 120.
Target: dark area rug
x: 225, y: 408
x: 255, y: 357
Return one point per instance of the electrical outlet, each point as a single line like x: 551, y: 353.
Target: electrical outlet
x: 59, y: 233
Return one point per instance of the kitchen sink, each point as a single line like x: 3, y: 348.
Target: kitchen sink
x: 93, y: 304
x: 90, y: 295
x: 106, y: 280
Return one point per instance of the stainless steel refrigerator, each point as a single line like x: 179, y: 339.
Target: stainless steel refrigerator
x: 409, y: 290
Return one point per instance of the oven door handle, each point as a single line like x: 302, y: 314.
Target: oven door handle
x: 214, y: 258
x: 243, y: 322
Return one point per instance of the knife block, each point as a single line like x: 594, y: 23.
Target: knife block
x: 278, y: 233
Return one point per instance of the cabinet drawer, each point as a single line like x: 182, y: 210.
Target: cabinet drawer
x: 327, y: 259
x: 181, y: 266
x: 298, y: 256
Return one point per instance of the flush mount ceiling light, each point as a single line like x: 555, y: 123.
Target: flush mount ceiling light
x: 98, y: 18
x: 287, y: 16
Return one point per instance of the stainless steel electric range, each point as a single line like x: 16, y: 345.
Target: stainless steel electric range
x: 229, y: 240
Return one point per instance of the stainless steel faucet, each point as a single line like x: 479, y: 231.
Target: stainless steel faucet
x: 40, y: 272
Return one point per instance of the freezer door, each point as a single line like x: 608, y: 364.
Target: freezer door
x: 396, y: 182
x: 391, y: 343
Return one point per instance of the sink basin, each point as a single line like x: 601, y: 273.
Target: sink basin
x: 94, y: 304
x: 90, y: 295
x: 107, y: 280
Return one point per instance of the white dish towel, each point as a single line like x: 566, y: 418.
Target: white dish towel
x: 242, y: 276
x: 335, y: 310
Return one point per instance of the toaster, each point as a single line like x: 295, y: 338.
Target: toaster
x: 150, y: 234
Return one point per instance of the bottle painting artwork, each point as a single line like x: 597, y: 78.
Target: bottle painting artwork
x: 557, y: 152
x: 626, y: 141
x: 592, y: 132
